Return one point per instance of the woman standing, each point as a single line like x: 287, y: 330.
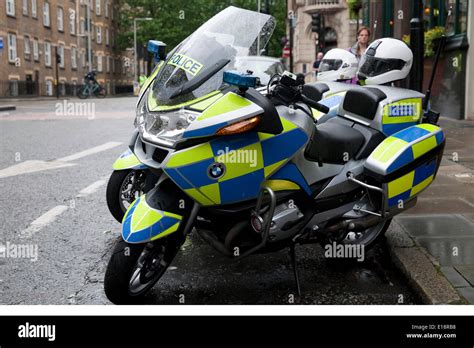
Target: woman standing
x: 363, y: 35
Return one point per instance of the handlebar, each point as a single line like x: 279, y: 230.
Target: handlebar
x: 315, y: 105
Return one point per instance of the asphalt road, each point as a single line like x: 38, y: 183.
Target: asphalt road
x: 59, y: 208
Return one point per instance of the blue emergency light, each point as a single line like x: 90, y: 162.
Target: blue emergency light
x: 241, y: 80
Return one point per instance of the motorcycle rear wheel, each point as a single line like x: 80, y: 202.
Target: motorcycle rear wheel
x: 367, y: 239
x: 123, y: 187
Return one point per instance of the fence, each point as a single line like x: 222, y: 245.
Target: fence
x: 28, y: 89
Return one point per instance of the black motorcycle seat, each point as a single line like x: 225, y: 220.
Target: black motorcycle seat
x: 334, y: 142
x: 363, y: 101
x: 315, y: 90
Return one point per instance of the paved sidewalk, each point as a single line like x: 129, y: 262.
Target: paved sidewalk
x: 442, y: 222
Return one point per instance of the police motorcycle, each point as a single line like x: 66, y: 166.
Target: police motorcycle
x: 131, y: 178
x: 337, y: 70
x: 252, y: 173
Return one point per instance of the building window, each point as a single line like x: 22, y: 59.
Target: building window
x: 97, y: 7
x: 107, y: 61
x: 10, y: 7
x: 47, y: 53
x: 82, y: 26
x: 61, y: 55
x: 83, y: 59
x: 35, y: 50
x: 74, y: 57
x: 99, y: 35
x: 25, y: 7
x: 46, y: 21
x: 27, y: 48
x: 107, y: 9
x: 72, y: 22
x: 33, y: 9
x: 60, y: 19
x: 92, y: 30
x: 99, y: 63
x: 49, y: 88
x: 12, y: 48
x: 107, y: 41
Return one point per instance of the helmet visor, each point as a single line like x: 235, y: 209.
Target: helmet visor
x: 330, y: 65
x: 373, y: 66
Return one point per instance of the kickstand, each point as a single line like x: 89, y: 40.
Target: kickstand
x: 295, y: 268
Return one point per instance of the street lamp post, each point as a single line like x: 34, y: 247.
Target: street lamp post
x: 135, y: 76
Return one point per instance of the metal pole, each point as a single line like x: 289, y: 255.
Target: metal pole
x: 56, y: 57
x: 135, y: 78
x: 417, y: 45
x: 89, y: 39
x: 258, y: 38
x: 291, y: 43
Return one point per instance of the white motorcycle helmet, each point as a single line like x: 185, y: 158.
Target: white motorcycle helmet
x: 385, y: 60
x: 337, y: 65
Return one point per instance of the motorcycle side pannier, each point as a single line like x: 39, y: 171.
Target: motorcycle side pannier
x: 406, y: 163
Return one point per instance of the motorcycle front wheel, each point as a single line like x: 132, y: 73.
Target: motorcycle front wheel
x: 133, y: 269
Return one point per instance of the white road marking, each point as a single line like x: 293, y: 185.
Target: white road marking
x: 37, y: 166
x: 90, y: 151
x: 31, y: 167
x: 43, y: 221
x: 91, y: 188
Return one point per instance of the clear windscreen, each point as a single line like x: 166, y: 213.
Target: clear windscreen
x: 232, y: 33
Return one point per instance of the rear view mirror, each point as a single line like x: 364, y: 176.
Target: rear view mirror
x: 158, y: 48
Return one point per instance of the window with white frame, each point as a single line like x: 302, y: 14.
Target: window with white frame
x: 25, y: 7
x: 107, y: 8
x: 49, y: 87
x: 72, y: 22
x: 35, y: 50
x: 97, y: 7
x: 10, y: 7
x: 107, y: 41
x: 34, y: 14
x: 11, y: 48
x: 61, y: 55
x: 60, y: 19
x: 74, y: 57
x: 107, y: 61
x: 99, y: 35
x: 46, y: 21
x: 99, y: 63
x: 27, y: 47
x: 47, y: 53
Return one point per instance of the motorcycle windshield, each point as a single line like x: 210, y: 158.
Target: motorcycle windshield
x: 230, y: 34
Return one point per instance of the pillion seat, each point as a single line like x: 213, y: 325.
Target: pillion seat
x: 338, y: 140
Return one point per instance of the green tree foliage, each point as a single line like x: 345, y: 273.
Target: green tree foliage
x: 174, y: 20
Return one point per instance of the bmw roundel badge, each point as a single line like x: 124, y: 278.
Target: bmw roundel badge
x: 216, y: 170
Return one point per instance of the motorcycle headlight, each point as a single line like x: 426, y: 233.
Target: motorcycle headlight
x: 141, y: 111
x: 163, y: 128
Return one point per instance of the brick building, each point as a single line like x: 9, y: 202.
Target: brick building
x: 32, y: 31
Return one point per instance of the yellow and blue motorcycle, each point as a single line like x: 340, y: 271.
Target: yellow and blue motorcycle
x: 254, y: 173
